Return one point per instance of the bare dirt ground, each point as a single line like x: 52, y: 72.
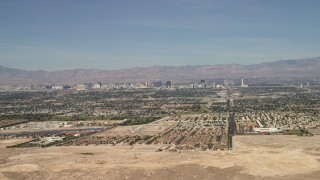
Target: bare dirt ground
x: 253, y: 157
x: 146, y: 129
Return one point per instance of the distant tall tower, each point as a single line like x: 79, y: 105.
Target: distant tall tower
x: 203, y: 83
x: 169, y: 84
x: 242, y: 82
x: 156, y: 84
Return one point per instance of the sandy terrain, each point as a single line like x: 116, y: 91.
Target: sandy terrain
x: 146, y: 129
x: 253, y: 157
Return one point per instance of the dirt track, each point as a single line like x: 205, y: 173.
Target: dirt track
x: 253, y: 157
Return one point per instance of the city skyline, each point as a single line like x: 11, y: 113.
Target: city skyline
x: 123, y: 34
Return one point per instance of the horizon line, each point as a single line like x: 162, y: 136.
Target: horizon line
x: 309, y: 58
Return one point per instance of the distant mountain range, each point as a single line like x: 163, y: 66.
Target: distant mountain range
x: 284, y: 68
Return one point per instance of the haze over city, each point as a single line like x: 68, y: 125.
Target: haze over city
x: 166, y: 89
x: 55, y: 35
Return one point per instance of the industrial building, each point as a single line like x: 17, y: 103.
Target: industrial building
x: 267, y: 130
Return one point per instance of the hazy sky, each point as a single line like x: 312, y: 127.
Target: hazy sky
x: 113, y: 34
